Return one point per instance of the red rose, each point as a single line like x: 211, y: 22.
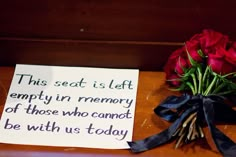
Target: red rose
x: 211, y: 40
x: 210, y: 44
x: 218, y: 62
x: 175, y: 64
x: 192, y: 47
x: 231, y: 54
x: 207, y: 42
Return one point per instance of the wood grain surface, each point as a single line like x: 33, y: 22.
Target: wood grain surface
x: 151, y: 91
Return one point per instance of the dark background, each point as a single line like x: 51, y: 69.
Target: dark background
x: 106, y: 33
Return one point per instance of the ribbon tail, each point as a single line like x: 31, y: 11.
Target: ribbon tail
x: 161, y: 138
x: 230, y: 152
x: 223, y: 143
x: 150, y: 142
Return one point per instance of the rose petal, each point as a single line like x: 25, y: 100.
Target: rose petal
x: 180, y: 65
x: 231, y: 54
x: 174, y: 64
x: 192, y: 48
x: 211, y: 39
x: 218, y: 63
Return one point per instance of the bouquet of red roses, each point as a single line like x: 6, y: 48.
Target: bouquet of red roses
x: 204, y: 69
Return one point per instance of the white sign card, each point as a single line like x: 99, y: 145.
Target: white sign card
x: 70, y: 106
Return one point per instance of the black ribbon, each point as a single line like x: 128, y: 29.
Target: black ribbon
x: 177, y: 108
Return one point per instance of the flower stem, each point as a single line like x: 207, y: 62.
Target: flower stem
x: 194, y: 83
x: 217, y: 83
x: 191, y: 87
x: 204, y: 76
x: 200, y: 80
x: 207, y: 80
x: 210, y: 86
x: 218, y: 88
x: 226, y: 92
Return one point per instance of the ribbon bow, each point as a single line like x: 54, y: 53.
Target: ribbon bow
x: 177, y: 109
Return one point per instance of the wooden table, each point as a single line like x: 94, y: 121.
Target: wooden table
x: 151, y: 91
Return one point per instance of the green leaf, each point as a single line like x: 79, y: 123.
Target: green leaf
x: 219, y: 88
x: 227, y: 92
x: 191, y: 60
x: 189, y: 72
x: 175, y: 79
x: 181, y: 88
x: 191, y: 87
x: 233, y: 73
x: 201, y: 53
